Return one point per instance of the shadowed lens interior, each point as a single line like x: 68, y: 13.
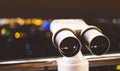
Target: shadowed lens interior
x: 69, y: 47
x: 99, y: 45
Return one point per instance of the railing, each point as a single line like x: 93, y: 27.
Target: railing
x: 45, y: 64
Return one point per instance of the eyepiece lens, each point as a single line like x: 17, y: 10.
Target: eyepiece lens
x: 99, y: 45
x: 69, y: 47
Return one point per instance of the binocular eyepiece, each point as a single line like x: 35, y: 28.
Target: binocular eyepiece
x: 70, y: 34
x: 66, y: 42
x: 95, y: 41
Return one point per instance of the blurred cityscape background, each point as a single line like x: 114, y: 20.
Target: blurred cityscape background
x: 31, y: 37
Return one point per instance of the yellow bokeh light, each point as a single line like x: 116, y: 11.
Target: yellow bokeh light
x: 3, y: 31
x: 6, y: 21
x: 20, y: 21
x: 118, y: 67
x: 33, y: 20
x: 28, y: 21
x: 37, y: 22
x: 17, y: 35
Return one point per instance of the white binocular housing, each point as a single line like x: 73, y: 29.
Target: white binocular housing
x: 70, y: 34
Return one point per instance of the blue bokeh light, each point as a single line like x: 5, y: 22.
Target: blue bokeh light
x: 46, y: 25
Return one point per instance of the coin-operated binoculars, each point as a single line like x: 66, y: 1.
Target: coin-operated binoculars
x: 68, y: 37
